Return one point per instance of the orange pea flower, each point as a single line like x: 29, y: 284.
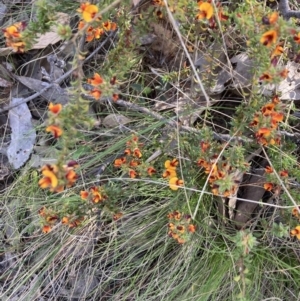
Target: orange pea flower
x: 55, y: 108
x: 109, y: 26
x: 177, y: 215
x: 158, y: 2
x: 115, y: 97
x: 180, y: 229
x: 284, y: 73
x: 81, y: 24
x: 278, y: 117
x: 137, y: 153
x: 88, y: 11
x: 295, y: 212
x: 95, y: 80
x: 297, y: 38
x: 268, y: 109
x: 268, y: 186
x: 283, y: 173
x: 269, y: 169
x: 275, y: 99
x: 204, y: 146
x: 16, y: 46
x: 296, y: 232
x: 84, y: 194
x: 175, y: 182
x: 49, y: 179
x: 171, y: 226
x: 171, y: 164
x: 191, y: 228
x: 206, y: 11
x: 269, y: 38
x: 119, y: 162
x: 266, y: 77
x: 65, y: 220
x: 264, y: 132
x: 46, y: 229
x: 96, y: 195
x: 277, y: 51
x: 55, y: 130
x: 151, y: 171
x: 13, y: 31
x: 169, y: 173
x: 271, y: 19
x: 71, y: 177
x: 96, y: 93
x: 132, y: 174
x: 221, y: 16
x: 134, y: 163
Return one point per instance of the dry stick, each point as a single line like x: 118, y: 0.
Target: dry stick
x: 282, y: 184
x: 63, y: 77
x: 287, y: 13
x: 175, y: 26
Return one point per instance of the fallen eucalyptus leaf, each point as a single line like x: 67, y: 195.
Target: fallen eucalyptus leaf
x: 243, y: 71
x: 54, y: 93
x: 23, y: 134
x: 290, y: 87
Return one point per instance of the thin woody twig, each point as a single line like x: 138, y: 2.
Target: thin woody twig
x: 287, y: 13
x: 170, y: 121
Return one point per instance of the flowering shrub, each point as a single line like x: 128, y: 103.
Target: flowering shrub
x: 13, y: 35
x: 132, y: 162
x: 180, y: 227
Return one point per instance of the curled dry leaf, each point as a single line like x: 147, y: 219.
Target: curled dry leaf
x: 55, y: 93
x: 289, y: 87
x: 243, y: 71
x: 23, y: 134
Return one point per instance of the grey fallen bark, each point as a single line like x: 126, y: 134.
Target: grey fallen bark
x: 285, y: 10
x: 253, y: 190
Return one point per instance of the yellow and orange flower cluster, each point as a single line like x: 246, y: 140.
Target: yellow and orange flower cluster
x: 100, y: 87
x: 51, y: 218
x: 91, y: 32
x: 268, y: 77
x: 296, y: 232
x: 88, y: 11
x: 270, y: 37
x: 131, y: 162
x: 180, y: 227
x: 72, y: 221
x: 13, y: 35
x: 221, y: 173
x: 58, y: 178
x: 295, y: 212
x: 54, y: 127
x: 97, y: 29
x: 206, y: 12
x: 265, y: 123
x: 269, y: 186
x: 95, y: 194
x: 171, y: 174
